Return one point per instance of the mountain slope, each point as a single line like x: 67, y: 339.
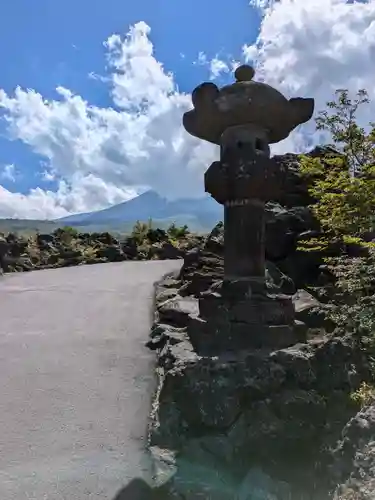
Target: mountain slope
x: 202, y: 212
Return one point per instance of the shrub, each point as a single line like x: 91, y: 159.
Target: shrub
x: 66, y: 234
x: 364, y: 395
x: 343, y: 184
x: 352, y: 295
x: 176, y: 232
x: 140, y: 231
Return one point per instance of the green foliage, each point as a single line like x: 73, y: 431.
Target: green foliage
x: 356, y: 144
x: 345, y: 203
x: 66, y: 230
x: 343, y: 184
x: 144, y: 233
x: 176, y: 232
x: 66, y: 234
x: 140, y: 231
x: 70, y: 230
x: 156, y: 236
x: 364, y: 395
x: 352, y: 297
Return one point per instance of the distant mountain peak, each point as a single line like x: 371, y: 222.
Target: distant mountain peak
x: 151, y: 205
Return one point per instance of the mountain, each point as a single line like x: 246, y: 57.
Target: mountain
x: 198, y: 214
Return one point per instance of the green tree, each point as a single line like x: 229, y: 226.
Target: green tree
x: 66, y: 234
x: 356, y: 144
x: 140, y: 231
x: 343, y: 185
x: 176, y: 232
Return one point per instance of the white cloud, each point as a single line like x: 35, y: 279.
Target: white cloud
x: 306, y: 48
x: 217, y: 67
x: 103, y: 156
x: 202, y: 59
x: 8, y: 172
x: 310, y: 48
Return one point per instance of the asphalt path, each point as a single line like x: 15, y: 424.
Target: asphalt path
x: 75, y: 379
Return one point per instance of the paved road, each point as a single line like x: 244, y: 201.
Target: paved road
x: 75, y: 379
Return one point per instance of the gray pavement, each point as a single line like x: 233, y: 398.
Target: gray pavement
x: 75, y: 379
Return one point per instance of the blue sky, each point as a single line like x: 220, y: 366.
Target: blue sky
x: 61, y: 44
x: 98, y: 117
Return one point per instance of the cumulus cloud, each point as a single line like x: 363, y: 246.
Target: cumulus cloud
x: 306, y: 48
x: 218, y: 67
x: 104, y: 156
x: 310, y: 48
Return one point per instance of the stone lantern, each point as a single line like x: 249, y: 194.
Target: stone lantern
x: 244, y: 118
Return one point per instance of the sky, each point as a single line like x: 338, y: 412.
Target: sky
x: 92, y: 93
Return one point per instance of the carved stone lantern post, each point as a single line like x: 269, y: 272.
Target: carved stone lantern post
x: 244, y: 118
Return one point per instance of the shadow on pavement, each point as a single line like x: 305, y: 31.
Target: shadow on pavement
x: 137, y: 489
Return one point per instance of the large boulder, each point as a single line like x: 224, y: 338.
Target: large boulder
x: 212, y: 409
x: 287, y: 267
x: 14, y: 253
x: 111, y: 253
x: 354, y: 458
x: 239, y: 412
x: 296, y: 189
x: 198, y: 474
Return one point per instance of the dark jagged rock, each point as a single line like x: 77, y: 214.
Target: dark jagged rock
x: 263, y: 415
x: 112, y: 253
x: 67, y: 247
x: 354, y: 458
x: 204, y: 266
x: 295, y: 192
x: 167, y: 251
